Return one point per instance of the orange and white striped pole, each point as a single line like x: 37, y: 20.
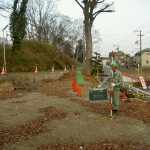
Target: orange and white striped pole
x: 111, y: 92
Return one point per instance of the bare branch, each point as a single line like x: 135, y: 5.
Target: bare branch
x: 100, y: 1
x: 4, y: 7
x: 103, y: 10
x: 4, y: 16
x: 79, y: 4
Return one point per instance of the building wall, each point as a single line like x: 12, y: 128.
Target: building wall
x: 120, y: 58
x: 137, y: 59
x: 104, y: 62
x: 146, y: 59
x: 129, y: 61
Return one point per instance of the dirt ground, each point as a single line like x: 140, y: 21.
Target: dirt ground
x: 53, y: 117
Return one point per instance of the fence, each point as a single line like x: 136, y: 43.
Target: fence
x: 137, y: 90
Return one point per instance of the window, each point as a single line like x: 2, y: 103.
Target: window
x: 147, y: 62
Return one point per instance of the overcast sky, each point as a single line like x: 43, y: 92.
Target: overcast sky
x: 116, y: 28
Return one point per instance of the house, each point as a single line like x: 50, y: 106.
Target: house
x: 120, y: 58
x: 105, y: 61
x: 128, y: 61
x: 142, y: 58
x: 134, y: 61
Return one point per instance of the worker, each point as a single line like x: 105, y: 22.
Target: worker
x: 116, y: 82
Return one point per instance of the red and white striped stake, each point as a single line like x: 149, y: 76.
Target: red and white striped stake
x: 111, y: 90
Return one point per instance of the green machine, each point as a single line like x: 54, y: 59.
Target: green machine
x: 97, y: 95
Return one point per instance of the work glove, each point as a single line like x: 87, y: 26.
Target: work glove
x: 99, y: 86
x: 112, y: 84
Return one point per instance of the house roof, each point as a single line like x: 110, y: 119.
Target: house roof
x: 105, y: 58
x: 144, y: 50
x: 116, y: 53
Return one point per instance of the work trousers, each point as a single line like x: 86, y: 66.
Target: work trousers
x: 116, y: 98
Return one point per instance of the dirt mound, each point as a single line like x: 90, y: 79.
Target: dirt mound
x: 6, y: 87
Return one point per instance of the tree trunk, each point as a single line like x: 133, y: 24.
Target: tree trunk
x: 91, y: 9
x: 88, y: 46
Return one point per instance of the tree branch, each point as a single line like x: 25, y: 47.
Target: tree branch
x: 103, y: 10
x: 79, y: 4
x: 101, y: 1
x: 4, y: 16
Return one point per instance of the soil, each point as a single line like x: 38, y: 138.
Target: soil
x: 53, y: 117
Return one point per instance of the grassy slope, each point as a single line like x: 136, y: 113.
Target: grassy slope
x: 34, y: 53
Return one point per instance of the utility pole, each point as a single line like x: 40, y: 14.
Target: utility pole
x: 4, y: 42
x: 140, y: 49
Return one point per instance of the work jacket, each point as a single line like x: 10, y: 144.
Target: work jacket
x: 118, y: 80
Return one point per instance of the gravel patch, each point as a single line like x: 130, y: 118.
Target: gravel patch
x: 54, y: 117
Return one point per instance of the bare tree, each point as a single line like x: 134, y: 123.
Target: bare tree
x: 79, y: 51
x: 96, y: 39
x: 65, y: 34
x: 76, y: 34
x: 41, y: 14
x: 4, y: 7
x: 91, y: 9
x: 46, y: 24
x: 60, y: 31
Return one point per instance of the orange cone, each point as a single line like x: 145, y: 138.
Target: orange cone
x: 36, y: 71
x: 89, y: 79
x: 79, y: 90
x: 65, y: 69
x: 75, y: 85
x: 74, y: 82
x: 3, y: 72
x: 53, y: 69
x: 124, y: 95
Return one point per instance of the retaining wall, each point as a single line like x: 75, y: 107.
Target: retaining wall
x: 31, y: 77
